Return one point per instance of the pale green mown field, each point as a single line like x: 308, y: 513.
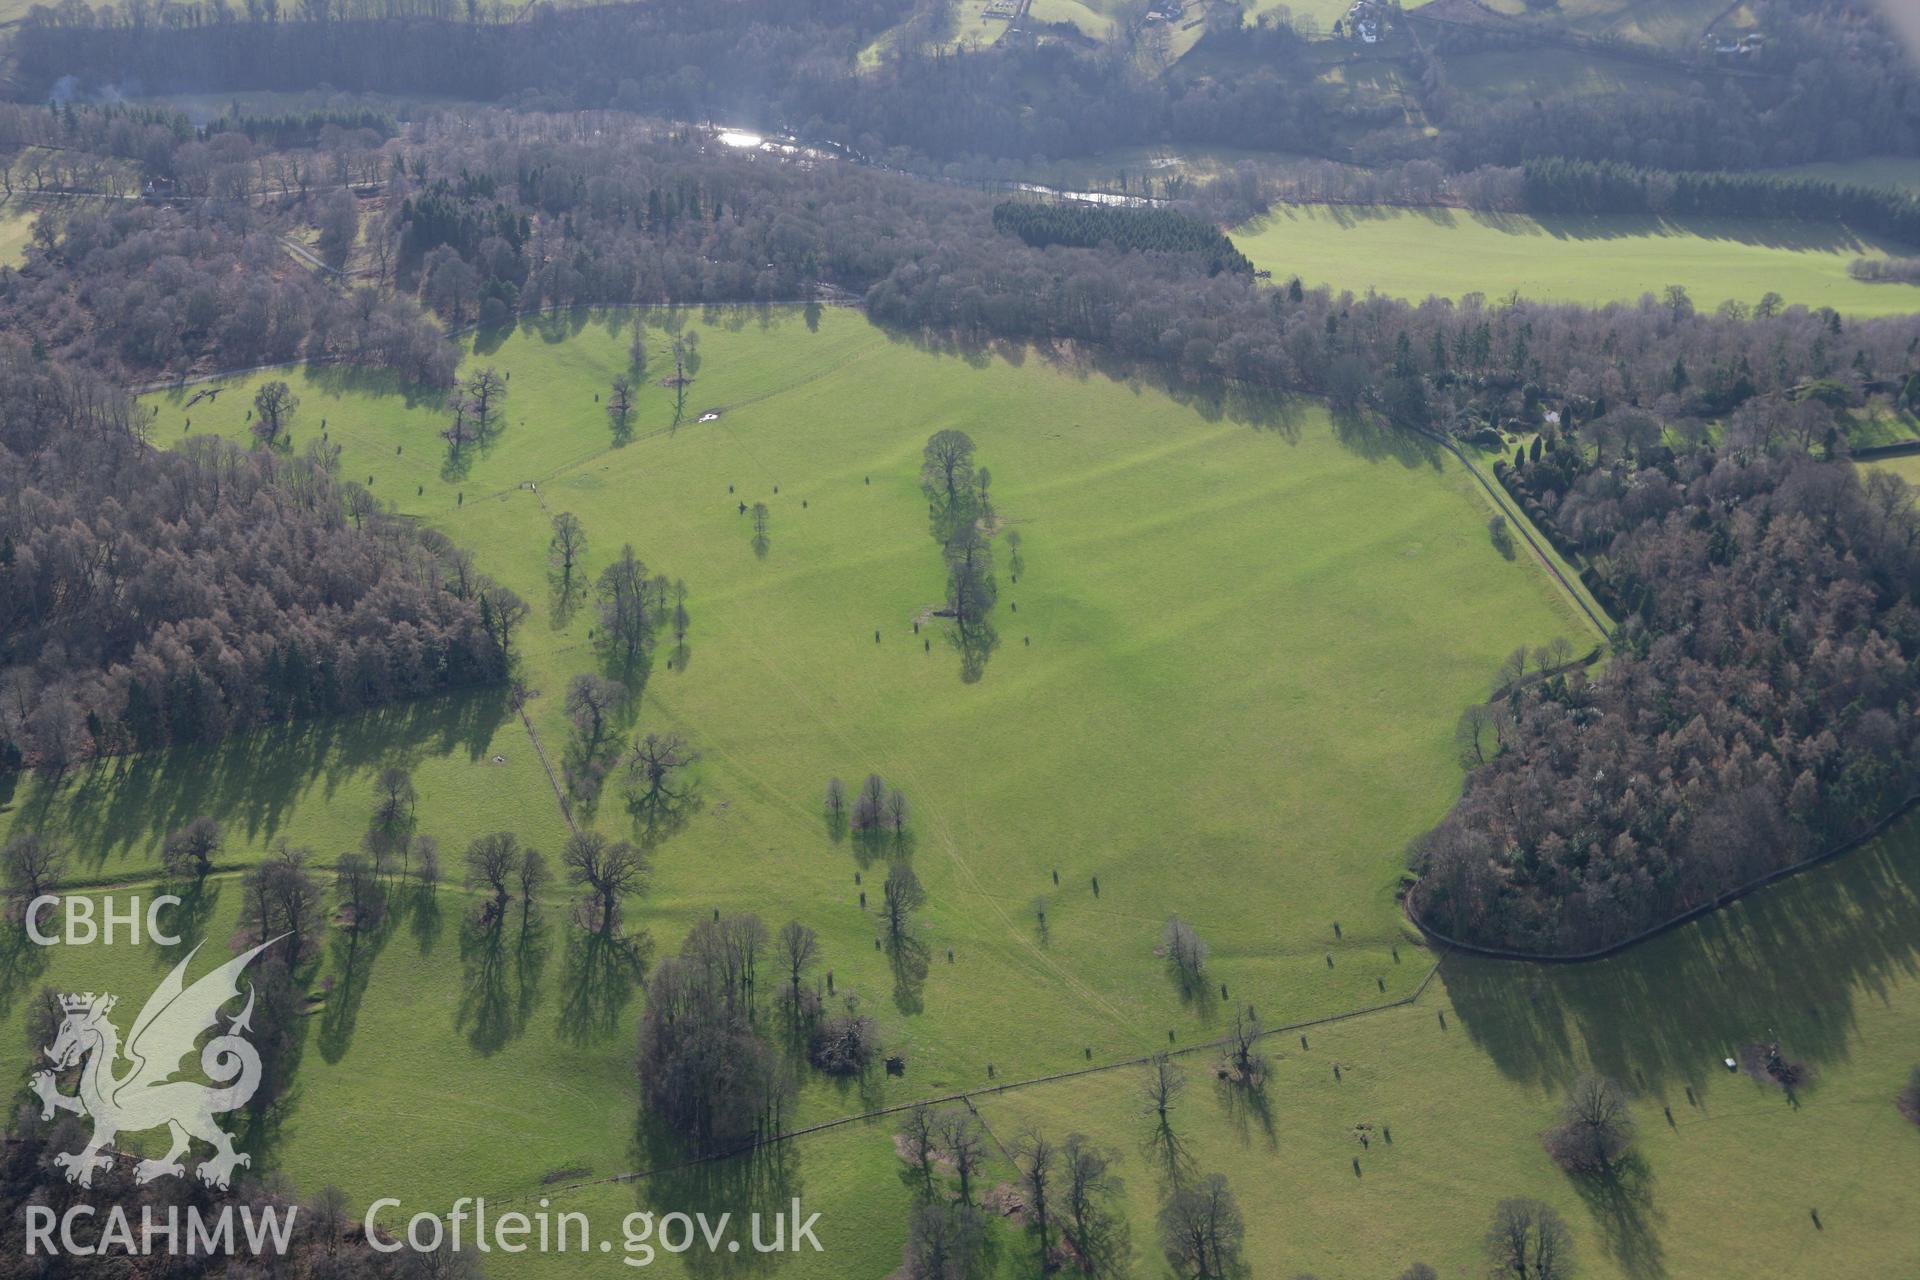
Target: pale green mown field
x: 1227, y: 690
x: 1414, y: 253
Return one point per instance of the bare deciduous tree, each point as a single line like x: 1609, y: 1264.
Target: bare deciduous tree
x: 1186, y: 953
x: 609, y: 870
x: 945, y: 1241
x: 1094, y: 1229
x: 1034, y: 1158
x: 901, y: 897
x: 947, y: 466
x: 1595, y: 1128
x: 1164, y: 1084
x: 965, y: 1146
x: 533, y: 877
x: 492, y: 862
x: 33, y: 864
x: 656, y: 784
x: 273, y: 408
x: 1476, y: 734
x: 359, y: 888
x: 620, y: 408
x: 393, y: 806
x: 1527, y: 1240
x: 921, y: 1140
x: 626, y: 631
x: 190, y: 850
x: 869, y: 807
x: 565, y: 550
x: 799, y: 948
x: 1245, y: 1059
x: 1201, y: 1229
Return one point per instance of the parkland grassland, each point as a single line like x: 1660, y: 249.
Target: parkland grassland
x: 1228, y: 671
x: 1591, y: 259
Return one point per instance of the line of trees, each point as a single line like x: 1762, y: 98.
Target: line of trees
x: 1041, y: 223
x: 1559, y: 185
x: 960, y: 510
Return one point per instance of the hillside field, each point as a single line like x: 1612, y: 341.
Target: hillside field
x: 1673, y: 25
x: 1346, y: 580
x: 1414, y: 253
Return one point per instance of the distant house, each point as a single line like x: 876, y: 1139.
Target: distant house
x: 1363, y: 20
x: 1726, y: 47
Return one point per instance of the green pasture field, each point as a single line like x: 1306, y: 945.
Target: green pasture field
x: 1319, y: 15
x: 1464, y: 1080
x: 1451, y: 1092
x: 1906, y: 466
x: 16, y: 229
x: 1225, y: 686
x: 1675, y: 25
x: 434, y: 1070
x: 1414, y: 253
x: 1553, y: 71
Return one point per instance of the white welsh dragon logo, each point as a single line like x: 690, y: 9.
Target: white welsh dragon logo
x: 147, y: 1096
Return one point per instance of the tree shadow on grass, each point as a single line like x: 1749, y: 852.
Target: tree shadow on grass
x: 22, y: 961
x: 764, y: 1180
x: 1791, y: 963
x: 597, y: 981
x: 250, y: 781
x: 563, y: 603
x: 909, y: 961
x: 1248, y: 1112
x: 424, y: 917
x: 658, y: 817
x: 359, y: 380
x: 975, y: 645
x: 263, y: 1124
x: 1166, y: 1152
x: 188, y: 921
x: 1213, y: 399
x: 501, y: 982
x: 353, y: 952
x: 1621, y: 1202
x: 1375, y: 439
x: 1197, y: 991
